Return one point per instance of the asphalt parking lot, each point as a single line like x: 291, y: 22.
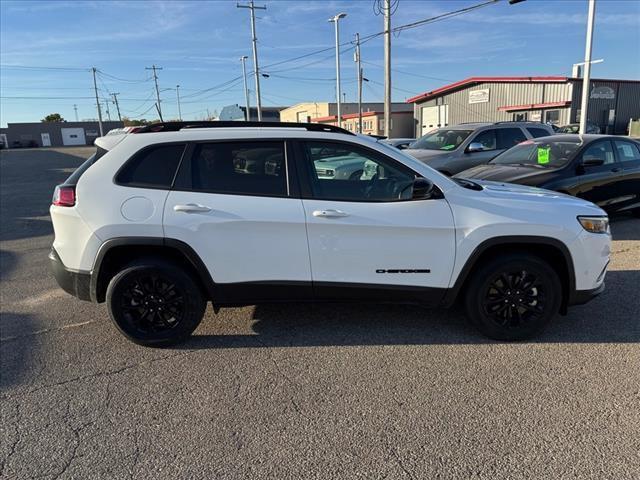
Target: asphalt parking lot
x: 299, y: 391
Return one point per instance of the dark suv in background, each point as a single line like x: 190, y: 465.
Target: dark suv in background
x: 453, y: 149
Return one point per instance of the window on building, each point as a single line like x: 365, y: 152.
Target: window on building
x: 153, y: 167
x: 520, y: 117
x: 552, y: 117
x: 240, y: 168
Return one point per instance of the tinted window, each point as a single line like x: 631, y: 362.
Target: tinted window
x: 510, y: 137
x: 442, y: 139
x: 241, y: 168
x: 538, y: 132
x: 541, y: 154
x: 153, y: 167
x: 627, y: 151
x: 487, y: 139
x: 347, y: 172
x: 601, y: 150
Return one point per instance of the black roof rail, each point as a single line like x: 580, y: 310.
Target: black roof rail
x: 176, y: 126
x: 516, y: 121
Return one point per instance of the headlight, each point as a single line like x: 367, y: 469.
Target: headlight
x: 595, y: 224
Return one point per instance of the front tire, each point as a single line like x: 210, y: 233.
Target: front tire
x: 155, y: 303
x: 513, y: 297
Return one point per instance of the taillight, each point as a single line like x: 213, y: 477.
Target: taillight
x: 64, y: 196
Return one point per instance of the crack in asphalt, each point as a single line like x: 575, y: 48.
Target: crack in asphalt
x: 99, y: 374
x: 14, y: 444
x: 46, y: 330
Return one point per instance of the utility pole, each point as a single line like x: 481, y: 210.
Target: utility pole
x: 178, y: 95
x: 336, y: 21
x: 115, y: 100
x: 387, y: 68
x: 584, y: 104
x: 95, y: 89
x: 106, y: 106
x: 247, y: 113
x: 75, y: 108
x: 359, y: 68
x: 155, y: 78
x: 254, y: 40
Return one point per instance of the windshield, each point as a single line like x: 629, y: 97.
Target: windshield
x: 442, y: 139
x: 544, y: 154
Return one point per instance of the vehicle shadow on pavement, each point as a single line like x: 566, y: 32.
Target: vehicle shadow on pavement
x: 25, y: 198
x: 610, y: 318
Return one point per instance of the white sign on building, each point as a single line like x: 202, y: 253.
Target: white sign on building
x: 479, y: 96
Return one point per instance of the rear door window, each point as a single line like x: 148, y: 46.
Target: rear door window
x: 601, y: 150
x: 153, y: 167
x: 236, y: 168
x: 627, y: 151
x: 510, y: 137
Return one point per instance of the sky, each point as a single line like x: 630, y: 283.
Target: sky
x: 47, y: 50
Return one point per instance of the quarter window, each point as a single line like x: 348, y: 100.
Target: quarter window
x: 347, y: 172
x: 241, y: 168
x: 627, y: 151
x: 509, y: 137
x: 538, y: 132
x: 154, y: 167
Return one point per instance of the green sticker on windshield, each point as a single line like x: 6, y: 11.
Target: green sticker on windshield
x: 448, y: 147
x: 543, y: 155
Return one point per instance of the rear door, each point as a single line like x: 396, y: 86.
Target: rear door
x: 600, y: 183
x: 628, y: 155
x: 234, y: 204
x: 367, y: 237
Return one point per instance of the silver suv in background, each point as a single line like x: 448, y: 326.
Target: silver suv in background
x: 451, y: 150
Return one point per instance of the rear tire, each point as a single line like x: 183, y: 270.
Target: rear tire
x: 513, y: 297
x: 155, y: 303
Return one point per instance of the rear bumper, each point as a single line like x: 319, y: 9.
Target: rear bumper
x: 74, y: 282
x: 580, y: 297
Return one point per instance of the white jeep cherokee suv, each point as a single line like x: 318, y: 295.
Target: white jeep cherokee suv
x: 160, y: 221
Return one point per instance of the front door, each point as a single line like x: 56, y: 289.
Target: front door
x: 367, y: 237
x: 233, y: 204
x: 46, y: 140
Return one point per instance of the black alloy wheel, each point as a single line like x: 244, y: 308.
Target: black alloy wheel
x: 513, y: 296
x: 155, y: 303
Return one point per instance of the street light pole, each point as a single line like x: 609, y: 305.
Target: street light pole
x: 254, y: 40
x: 387, y: 68
x: 247, y: 113
x: 359, y: 68
x: 584, y: 104
x: 336, y: 21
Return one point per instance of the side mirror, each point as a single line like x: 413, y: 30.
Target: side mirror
x: 475, y: 147
x: 592, y: 161
x: 422, y: 189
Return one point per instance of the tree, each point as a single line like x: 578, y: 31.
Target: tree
x: 53, y: 117
x: 134, y: 123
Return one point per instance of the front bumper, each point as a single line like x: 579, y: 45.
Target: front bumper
x: 74, y: 282
x: 580, y: 297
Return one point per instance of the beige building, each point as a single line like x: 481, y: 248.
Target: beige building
x: 307, y: 111
x: 402, y: 123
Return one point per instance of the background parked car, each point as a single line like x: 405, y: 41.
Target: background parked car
x: 453, y: 149
x: 575, y: 128
x: 603, y: 169
x: 399, y: 143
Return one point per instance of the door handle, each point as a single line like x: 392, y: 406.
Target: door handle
x: 330, y: 213
x: 616, y: 169
x: 191, y: 208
